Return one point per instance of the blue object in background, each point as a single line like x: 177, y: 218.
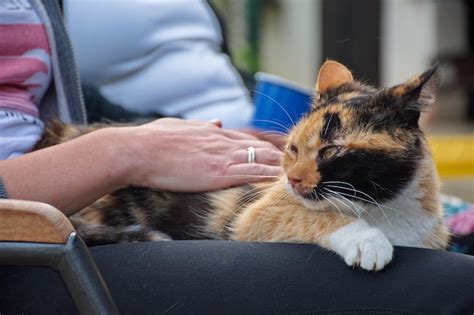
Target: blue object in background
x: 453, y: 205
x: 279, y: 103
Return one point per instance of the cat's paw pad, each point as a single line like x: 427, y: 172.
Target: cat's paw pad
x: 367, y: 248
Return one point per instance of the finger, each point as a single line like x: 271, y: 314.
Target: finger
x: 266, y: 156
x: 276, y: 139
x: 237, y: 135
x: 250, y: 172
x: 256, y: 143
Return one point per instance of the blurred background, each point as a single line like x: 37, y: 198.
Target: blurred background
x: 383, y: 42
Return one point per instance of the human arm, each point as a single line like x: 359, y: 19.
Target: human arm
x: 68, y: 176
x: 167, y: 154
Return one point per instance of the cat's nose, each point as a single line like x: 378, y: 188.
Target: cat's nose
x: 294, y: 181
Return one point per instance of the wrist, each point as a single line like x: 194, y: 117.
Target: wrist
x: 113, y: 145
x: 134, y: 163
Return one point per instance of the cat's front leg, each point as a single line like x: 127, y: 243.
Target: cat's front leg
x: 361, y: 245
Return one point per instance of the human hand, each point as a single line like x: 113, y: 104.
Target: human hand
x: 190, y: 156
x: 277, y: 138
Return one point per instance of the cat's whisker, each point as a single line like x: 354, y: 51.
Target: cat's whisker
x: 329, y: 122
x: 316, y: 195
x: 340, y: 198
x: 272, y: 99
x: 366, y: 200
x: 258, y: 189
x: 390, y: 191
x: 364, y: 194
x: 251, y: 195
x: 245, y: 176
x: 379, y: 206
x: 339, y: 182
x: 248, y: 197
x: 285, y: 128
x: 333, y: 184
x: 331, y: 202
x: 356, y: 191
x: 272, y: 132
x: 360, y: 208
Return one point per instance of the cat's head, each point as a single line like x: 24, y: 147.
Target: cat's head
x: 360, y: 142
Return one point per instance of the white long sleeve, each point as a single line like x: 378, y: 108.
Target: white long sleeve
x: 158, y: 56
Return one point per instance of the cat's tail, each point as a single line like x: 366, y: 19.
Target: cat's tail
x: 98, y: 234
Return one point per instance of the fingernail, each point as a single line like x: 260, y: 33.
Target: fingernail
x: 217, y: 122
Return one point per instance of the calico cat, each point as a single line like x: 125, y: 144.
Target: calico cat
x: 358, y: 179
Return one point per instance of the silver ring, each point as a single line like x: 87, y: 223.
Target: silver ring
x: 251, y: 155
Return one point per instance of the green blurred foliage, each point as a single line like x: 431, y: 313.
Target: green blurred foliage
x: 245, y: 55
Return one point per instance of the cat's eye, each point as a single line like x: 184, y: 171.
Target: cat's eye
x: 293, y: 149
x: 329, y: 152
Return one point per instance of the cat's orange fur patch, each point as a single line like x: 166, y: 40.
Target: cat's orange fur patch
x: 429, y: 187
x: 348, y: 96
x: 225, y: 201
x: 402, y: 89
x: 428, y: 183
x: 92, y: 215
x: 140, y: 215
x: 278, y: 216
x: 370, y: 141
x: 332, y: 74
x: 439, y: 237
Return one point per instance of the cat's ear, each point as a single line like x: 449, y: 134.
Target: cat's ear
x: 415, y: 95
x: 332, y: 75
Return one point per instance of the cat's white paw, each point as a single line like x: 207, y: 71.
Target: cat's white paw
x: 362, y: 245
x: 370, y: 250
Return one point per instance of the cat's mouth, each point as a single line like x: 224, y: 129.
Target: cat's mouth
x: 311, y: 199
x: 314, y: 195
x: 307, y: 195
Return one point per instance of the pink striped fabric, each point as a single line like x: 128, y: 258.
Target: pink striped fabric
x: 25, y: 60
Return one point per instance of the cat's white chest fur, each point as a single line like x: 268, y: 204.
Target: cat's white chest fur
x: 368, y: 242
x: 402, y: 219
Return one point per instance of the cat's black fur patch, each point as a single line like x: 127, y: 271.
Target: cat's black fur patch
x: 332, y: 123
x: 376, y: 174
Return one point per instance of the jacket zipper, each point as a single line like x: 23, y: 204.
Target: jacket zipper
x: 65, y: 74
x: 77, y: 79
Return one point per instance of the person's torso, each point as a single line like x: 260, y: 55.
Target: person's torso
x: 156, y: 56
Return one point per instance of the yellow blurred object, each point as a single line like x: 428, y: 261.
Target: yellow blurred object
x: 454, y: 155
